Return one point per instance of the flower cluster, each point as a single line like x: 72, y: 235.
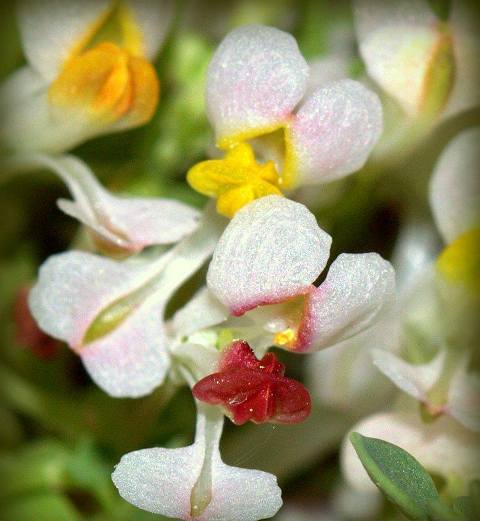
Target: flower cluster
x: 280, y: 125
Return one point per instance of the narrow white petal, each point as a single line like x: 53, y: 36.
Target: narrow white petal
x: 254, y: 81
x: 193, y: 483
x: 334, y: 131
x: 130, y: 223
x: 455, y: 186
x: 272, y: 249
x: 415, y: 380
x: 50, y: 29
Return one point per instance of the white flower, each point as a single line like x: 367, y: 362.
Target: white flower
x: 88, y: 71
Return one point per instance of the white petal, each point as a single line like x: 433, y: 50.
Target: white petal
x: 51, y: 28
x: 130, y: 223
x: 442, y: 447
x: 334, y: 131
x: 357, y: 289
x: 111, y: 312
x: 344, y: 376
x: 153, y: 18
x: 201, y: 312
x: 254, y: 81
x: 397, y: 39
x: 272, y: 249
x: 455, y: 186
x: 415, y: 380
x: 464, y: 398
x: 132, y: 360
x: 172, y: 482
x: 74, y: 287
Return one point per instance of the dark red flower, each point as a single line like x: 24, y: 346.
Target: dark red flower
x: 27, y: 332
x: 252, y: 389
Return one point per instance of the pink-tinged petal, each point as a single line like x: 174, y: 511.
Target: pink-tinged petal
x: 255, y: 79
x: 51, y: 29
x: 455, y: 186
x: 443, y: 447
x: 127, y: 223
x: 271, y: 250
x: 397, y: 40
x: 132, y: 360
x: 201, y: 312
x: 193, y: 483
x: 357, y: 289
x: 74, y: 287
x: 129, y: 357
x: 332, y: 133
x: 111, y: 313
x: 415, y: 380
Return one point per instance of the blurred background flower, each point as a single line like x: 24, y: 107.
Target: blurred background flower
x: 60, y: 435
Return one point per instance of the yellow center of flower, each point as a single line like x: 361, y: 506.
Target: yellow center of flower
x: 285, y: 338
x: 459, y: 262
x: 106, y: 77
x: 235, y: 180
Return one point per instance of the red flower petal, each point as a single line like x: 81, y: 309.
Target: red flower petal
x: 252, y: 389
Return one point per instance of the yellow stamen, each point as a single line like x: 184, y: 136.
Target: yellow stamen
x: 106, y: 83
x: 235, y: 180
x: 459, y: 262
x: 285, y: 338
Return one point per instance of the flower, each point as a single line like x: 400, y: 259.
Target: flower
x: 256, y: 83
x: 117, y: 224
x: 88, y: 71
x: 428, y: 65
x: 252, y: 389
x: 446, y: 384
x: 262, y: 274
x: 111, y: 312
x: 193, y: 483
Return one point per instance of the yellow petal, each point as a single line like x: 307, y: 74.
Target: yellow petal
x: 232, y: 200
x: 212, y: 177
x: 106, y: 83
x: 459, y: 262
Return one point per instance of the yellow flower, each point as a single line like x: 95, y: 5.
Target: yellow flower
x: 89, y: 71
x: 236, y: 180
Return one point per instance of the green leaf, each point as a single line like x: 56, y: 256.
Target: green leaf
x: 41, y: 507
x: 438, y: 511
x: 464, y: 506
x: 397, y: 474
